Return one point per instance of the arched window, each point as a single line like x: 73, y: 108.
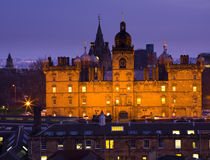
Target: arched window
x: 122, y: 63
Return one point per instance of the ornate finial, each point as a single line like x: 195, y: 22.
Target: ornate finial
x: 99, y: 18
x: 85, y: 45
x: 123, y: 16
x: 164, y: 45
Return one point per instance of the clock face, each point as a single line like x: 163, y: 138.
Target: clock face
x: 122, y: 63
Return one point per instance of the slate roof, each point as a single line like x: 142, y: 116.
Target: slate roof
x: 147, y: 129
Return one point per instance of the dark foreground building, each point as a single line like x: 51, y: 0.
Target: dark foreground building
x: 126, y: 141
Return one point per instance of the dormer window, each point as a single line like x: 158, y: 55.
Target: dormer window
x: 122, y: 63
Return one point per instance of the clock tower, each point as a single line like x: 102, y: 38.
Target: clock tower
x: 123, y: 74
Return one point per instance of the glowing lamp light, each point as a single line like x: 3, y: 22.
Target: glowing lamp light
x: 28, y: 103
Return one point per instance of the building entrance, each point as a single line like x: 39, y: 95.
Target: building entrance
x: 123, y: 115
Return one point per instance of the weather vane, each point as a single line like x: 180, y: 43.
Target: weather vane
x: 122, y: 16
x: 164, y: 45
x: 85, y: 45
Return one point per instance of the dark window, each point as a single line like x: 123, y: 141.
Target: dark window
x: 122, y: 63
x: 133, y: 143
x: 146, y: 143
x: 97, y: 144
x: 54, y: 101
x: 160, y: 143
x: 133, y: 158
x: 44, y: 145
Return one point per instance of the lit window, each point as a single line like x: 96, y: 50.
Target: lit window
x: 117, y: 128
x: 128, y: 89
x: 144, y: 158
x: 79, y: 145
x: 83, y: 114
x: 70, y: 89
x: 176, y: 132
x: 70, y: 114
x: 195, y: 156
x: 174, y: 100
x: 163, y: 88
x: 1, y: 139
x: 173, y: 114
x: 174, y: 88
x: 194, y: 145
x: 54, y: 89
x: 163, y: 100
x: 88, y: 144
x: 83, y: 100
x: 117, y: 89
x: 178, y: 144
x: 117, y: 101
x: 60, y: 146
x: 163, y: 114
x: 190, y: 132
x: 178, y: 155
x: 43, y: 157
x: 194, y: 88
x: 209, y: 144
x: 109, y: 144
x: 108, y: 102
x: 83, y: 88
x: 138, y: 101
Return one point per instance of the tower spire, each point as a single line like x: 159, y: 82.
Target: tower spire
x: 99, y: 19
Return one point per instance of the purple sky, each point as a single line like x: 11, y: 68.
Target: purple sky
x: 39, y: 28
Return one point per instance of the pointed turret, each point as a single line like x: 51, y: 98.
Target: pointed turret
x: 9, y: 63
x: 100, y: 49
x: 99, y: 42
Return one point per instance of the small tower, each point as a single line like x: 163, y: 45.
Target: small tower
x: 102, y: 119
x: 9, y: 63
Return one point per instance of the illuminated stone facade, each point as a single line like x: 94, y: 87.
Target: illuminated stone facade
x: 85, y: 88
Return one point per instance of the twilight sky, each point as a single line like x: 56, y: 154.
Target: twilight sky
x: 41, y: 28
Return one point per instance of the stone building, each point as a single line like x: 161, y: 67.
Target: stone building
x: 87, y: 87
x: 125, y: 141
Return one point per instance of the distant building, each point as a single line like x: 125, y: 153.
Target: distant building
x: 9, y: 63
x: 154, y: 88
x: 205, y: 81
x: 145, y: 57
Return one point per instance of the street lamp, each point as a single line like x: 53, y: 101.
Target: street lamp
x: 14, y: 91
x: 28, y: 104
